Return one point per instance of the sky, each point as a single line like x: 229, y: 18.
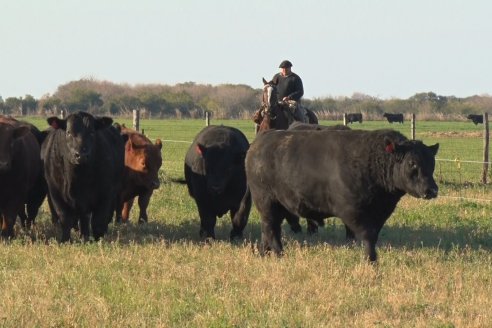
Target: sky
x: 381, y: 48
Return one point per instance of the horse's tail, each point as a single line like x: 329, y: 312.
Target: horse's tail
x: 241, y: 217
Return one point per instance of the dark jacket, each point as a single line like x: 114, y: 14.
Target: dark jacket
x: 289, y: 86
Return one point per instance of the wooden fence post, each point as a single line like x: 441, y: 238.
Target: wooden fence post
x: 345, y: 119
x: 207, y: 118
x: 485, y: 147
x: 412, y: 126
x: 63, y: 113
x: 136, y: 119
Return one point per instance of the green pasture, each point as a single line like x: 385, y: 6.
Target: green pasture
x: 434, y: 270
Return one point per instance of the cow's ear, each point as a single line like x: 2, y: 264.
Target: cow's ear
x: 158, y: 143
x: 434, y: 149
x: 264, y: 81
x: 129, y: 144
x: 21, y: 131
x: 103, y: 122
x: 201, y: 149
x: 57, y: 123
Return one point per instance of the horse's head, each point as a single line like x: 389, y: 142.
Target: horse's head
x: 269, y: 101
x: 270, y: 115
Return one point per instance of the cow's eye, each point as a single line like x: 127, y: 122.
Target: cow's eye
x: 412, y: 165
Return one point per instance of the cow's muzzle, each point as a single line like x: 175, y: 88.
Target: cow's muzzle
x: 156, y: 184
x: 430, y: 193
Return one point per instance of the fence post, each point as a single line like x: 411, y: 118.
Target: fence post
x: 207, y: 118
x: 63, y: 113
x: 345, y: 119
x: 136, y: 119
x: 412, y: 126
x: 485, y: 147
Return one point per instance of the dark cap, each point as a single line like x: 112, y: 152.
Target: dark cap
x: 285, y: 64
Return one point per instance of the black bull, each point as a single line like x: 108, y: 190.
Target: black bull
x: 216, y: 179
x: 358, y: 176
x: 83, y: 165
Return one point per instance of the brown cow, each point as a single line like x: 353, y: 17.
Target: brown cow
x: 142, y: 163
x: 20, y: 166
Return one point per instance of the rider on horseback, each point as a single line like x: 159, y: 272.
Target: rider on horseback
x: 290, y: 89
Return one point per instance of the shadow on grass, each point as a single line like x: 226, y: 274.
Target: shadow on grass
x: 333, y: 233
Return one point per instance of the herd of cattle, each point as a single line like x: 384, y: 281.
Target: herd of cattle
x: 87, y: 167
x: 90, y: 169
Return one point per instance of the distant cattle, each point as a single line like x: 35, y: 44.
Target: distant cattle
x: 143, y: 160
x: 354, y: 117
x: 358, y: 176
x: 476, y: 119
x: 216, y: 179
x: 20, y: 166
x: 83, y: 164
x: 394, y: 117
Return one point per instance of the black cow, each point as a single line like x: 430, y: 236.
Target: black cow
x: 476, y: 119
x: 354, y: 117
x: 216, y: 179
x: 359, y: 177
x: 38, y: 192
x: 394, y: 117
x: 20, y: 164
x: 83, y: 165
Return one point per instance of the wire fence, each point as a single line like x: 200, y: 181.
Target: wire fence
x: 459, y: 164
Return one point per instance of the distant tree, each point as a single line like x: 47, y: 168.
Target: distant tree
x: 85, y: 100
x: 2, y: 106
x: 50, y: 105
x: 13, y: 106
x: 29, y: 105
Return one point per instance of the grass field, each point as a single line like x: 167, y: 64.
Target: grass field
x: 434, y: 270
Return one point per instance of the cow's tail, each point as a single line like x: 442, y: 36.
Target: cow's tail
x: 241, y: 217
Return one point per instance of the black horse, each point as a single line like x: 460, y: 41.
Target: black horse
x: 275, y: 114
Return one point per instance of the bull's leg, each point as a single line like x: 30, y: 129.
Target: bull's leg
x: 143, y: 202
x: 101, y: 217
x: 84, y: 226
x: 9, y: 216
x: 23, y: 217
x: 369, y: 236
x: 293, y: 221
x: 240, y: 216
x: 35, y: 200
x: 271, y: 235
x: 125, y: 213
x: 349, y: 234
x: 312, y: 226
x: 207, y: 222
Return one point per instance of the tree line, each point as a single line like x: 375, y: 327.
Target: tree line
x: 191, y: 100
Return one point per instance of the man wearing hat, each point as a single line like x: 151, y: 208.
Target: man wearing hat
x: 290, y: 89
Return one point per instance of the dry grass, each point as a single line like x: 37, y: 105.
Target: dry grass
x: 434, y: 270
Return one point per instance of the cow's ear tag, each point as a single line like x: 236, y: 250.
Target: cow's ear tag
x: 199, y: 150
x: 390, y: 148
